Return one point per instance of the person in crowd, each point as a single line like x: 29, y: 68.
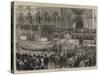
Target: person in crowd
x: 46, y: 61
x: 42, y: 66
x: 63, y: 60
x: 37, y: 62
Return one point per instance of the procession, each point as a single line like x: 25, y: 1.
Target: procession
x: 61, y: 54
x: 55, y: 38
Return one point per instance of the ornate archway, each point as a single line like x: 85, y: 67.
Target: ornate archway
x: 79, y: 24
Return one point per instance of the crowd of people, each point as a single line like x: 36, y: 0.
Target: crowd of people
x: 72, y: 59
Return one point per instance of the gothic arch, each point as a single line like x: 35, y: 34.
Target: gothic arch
x: 80, y: 23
